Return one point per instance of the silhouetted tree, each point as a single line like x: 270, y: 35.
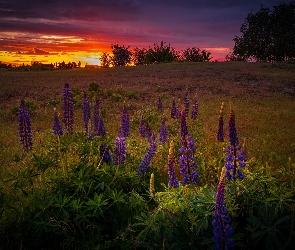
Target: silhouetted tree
x: 105, y: 60
x: 138, y: 56
x: 267, y: 35
x: 160, y: 54
x: 195, y: 55
x: 121, y: 55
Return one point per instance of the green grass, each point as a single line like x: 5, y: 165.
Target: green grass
x: 263, y: 97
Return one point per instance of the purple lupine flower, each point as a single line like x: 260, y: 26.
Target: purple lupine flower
x: 235, y: 156
x: 105, y: 153
x: 187, y: 161
x: 125, y: 123
x: 173, y: 112
x: 163, y: 132
x: 142, y: 128
x: 222, y: 230
x: 68, y: 108
x: 183, y: 126
x: 149, y: 132
x: 120, y: 151
x: 160, y: 105
x: 195, y: 109
x: 173, y: 182
x: 186, y: 103
x: 232, y: 132
x: 25, y: 132
x: 146, y: 161
x: 220, y: 133
x: 86, y: 111
x: 90, y: 135
x: 99, y: 128
x: 178, y: 112
x: 56, y: 127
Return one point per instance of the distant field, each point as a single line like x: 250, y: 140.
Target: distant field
x: 263, y: 97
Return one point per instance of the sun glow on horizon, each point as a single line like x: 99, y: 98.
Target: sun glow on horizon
x: 17, y: 59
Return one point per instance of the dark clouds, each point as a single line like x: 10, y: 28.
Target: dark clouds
x: 186, y: 23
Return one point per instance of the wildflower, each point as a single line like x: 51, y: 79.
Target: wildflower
x: 178, y: 111
x: 149, y: 132
x: 183, y: 126
x: 195, y: 109
x: 99, y: 127
x: 120, y: 151
x: 187, y: 161
x: 173, y: 112
x: 25, y: 132
x: 68, y: 108
x: 152, y: 184
x: 220, y: 134
x: 86, y: 111
x: 56, y: 127
x: 163, y: 132
x: 142, y: 128
x: 125, y: 123
x: 186, y: 103
x: 232, y: 132
x: 105, y: 153
x: 173, y: 182
x: 222, y: 230
x: 235, y: 156
x: 160, y: 105
x: 145, y: 163
x: 90, y: 135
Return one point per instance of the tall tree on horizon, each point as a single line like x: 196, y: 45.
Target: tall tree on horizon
x: 267, y: 35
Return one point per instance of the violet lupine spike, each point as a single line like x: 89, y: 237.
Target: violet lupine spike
x: 146, y: 161
x: 142, y: 127
x: 178, y: 111
x: 173, y: 112
x: 86, y: 111
x: 232, y: 132
x: 120, y: 151
x: 220, y: 133
x: 235, y: 156
x: 160, y: 105
x: 222, y: 230
x: 25, y: 132
x: 56, y: 127
x: 183, y: 126
x: 187, y: 161
x: 125, y: 123
x: 173, y: 182
x: 149, y: 132
x: 101, y: 127
x: 105, y: 153
x: 186, y: 103
x: 195, y: 109
x: 68, y: 108
x: 163, y: 132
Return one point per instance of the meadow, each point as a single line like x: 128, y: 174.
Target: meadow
x: 63, y: 193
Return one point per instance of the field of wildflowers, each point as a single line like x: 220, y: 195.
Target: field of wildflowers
x: 143, y: 177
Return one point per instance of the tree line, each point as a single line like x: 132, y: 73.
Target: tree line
x: 160, y: 53
x: 268, y: 35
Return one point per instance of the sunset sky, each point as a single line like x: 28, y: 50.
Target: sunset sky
x: 74, y: 30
